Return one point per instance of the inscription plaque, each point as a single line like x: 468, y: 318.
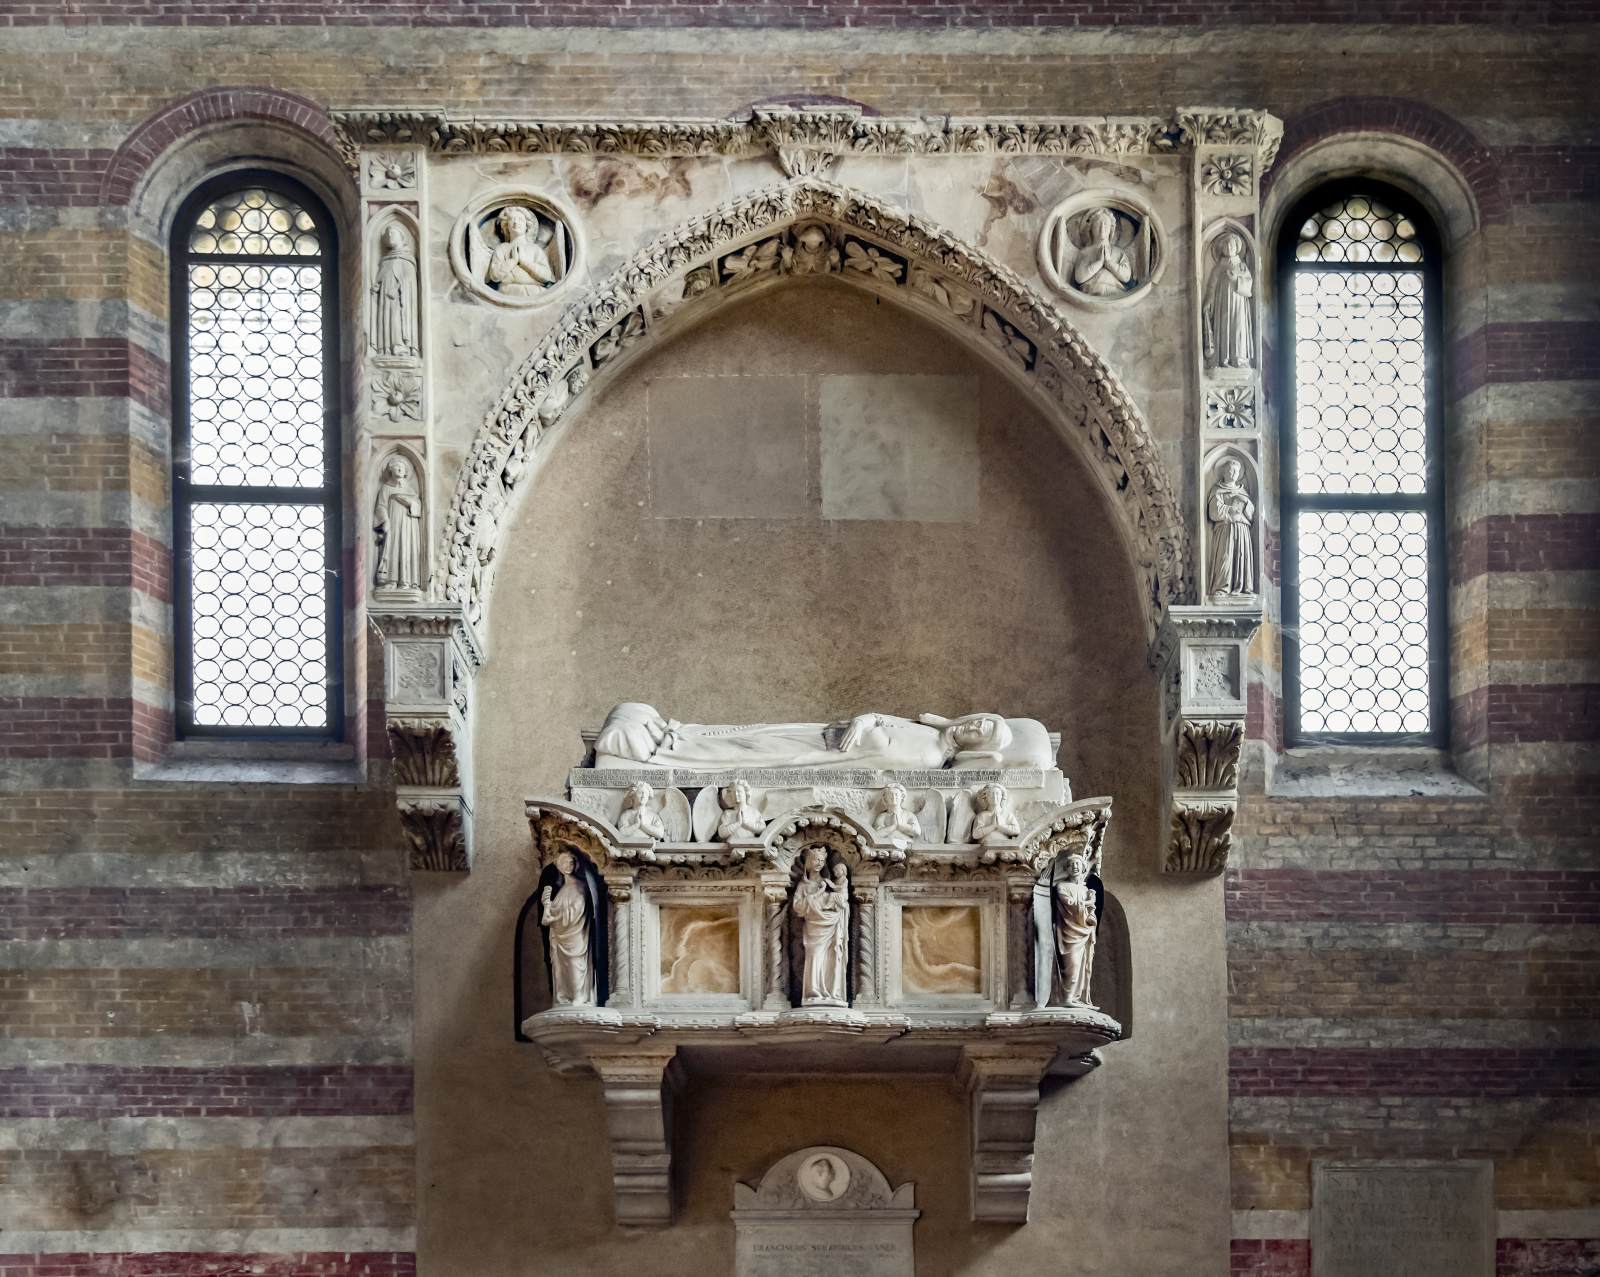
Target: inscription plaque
x: 1423, y: 1219
x: 824, y: 1212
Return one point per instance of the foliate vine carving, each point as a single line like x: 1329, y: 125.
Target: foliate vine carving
x: 1208, y: 753
x: 553, y: 831
x: 747, y: 238
x: 424, y: 752
x: 821, y: 134
x: 1078, y: 830
x: 435, y: 829
x: 1201, y: 837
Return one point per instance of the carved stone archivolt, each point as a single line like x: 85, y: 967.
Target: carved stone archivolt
x: 881, y: 248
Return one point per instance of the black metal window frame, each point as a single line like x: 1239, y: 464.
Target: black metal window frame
x: 186, y: 494
x: 1430, y: 503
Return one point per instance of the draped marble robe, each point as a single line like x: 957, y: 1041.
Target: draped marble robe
x: 1227, y: 310
x: 1231, y: 571
x: 567, y: 915
x: 394, y: 296
x: 823, y: 907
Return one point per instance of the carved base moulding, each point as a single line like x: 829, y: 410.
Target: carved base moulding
x: 928, y: 903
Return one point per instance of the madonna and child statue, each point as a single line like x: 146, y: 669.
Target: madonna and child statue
x: 638, y: 735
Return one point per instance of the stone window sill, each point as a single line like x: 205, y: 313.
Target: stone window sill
x: 1368, y: 771
x: 256, y: 762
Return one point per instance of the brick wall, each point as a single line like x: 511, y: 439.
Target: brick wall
x: 1411, y: 976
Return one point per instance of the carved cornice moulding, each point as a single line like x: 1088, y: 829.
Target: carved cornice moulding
x: 814, y: 131
x: 892, y: 253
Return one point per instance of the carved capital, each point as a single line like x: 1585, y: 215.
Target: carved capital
x: 424, y: 752
x: 1202, y: 835
x: 1208, y: 753
x: 437, y: 830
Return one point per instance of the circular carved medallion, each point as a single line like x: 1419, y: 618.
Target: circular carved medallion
x: 1101, y: 250
x: 514, y: 248
x: 823, y: 1178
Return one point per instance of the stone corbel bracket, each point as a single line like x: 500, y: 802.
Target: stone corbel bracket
x: 1204, y: 664
x: 431, y: 655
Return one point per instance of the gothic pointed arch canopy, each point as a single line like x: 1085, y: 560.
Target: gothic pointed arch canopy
x: 789, y: 231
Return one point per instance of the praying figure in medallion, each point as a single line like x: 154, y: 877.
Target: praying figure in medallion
x: 1227, y: 311
x: 895, y: 820
x: 1076, y: 917
x: 394, y: 295
x: 571, y: 923
x: 740, y: 818
x: 1102, y: 269
x: 1231, y: 570
x: 822, y: 903
x: 531, y: 255
x: 639, y: 813
x: 397, y: 525
x: 996, y: 819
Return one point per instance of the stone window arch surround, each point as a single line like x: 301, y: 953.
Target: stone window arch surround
x: 186, y: 144
x: 1452, y: 176
x: 1080, y: 394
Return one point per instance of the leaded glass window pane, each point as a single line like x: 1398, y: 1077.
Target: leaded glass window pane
x: 256, y: 474
x: 1362, y: 499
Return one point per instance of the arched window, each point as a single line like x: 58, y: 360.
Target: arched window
x: 256, y: 484
x: 1363, y: 498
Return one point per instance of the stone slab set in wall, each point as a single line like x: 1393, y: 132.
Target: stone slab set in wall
x: 1418, y: 1218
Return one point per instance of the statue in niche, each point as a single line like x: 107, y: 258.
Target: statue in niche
x: 1227, y: 312
x: 1076, y: 917
x: 397, y: 524
x: 529, y: 253
x: 1103, y: 267
x: 639, y: 815
x: 1231, y: 570
x: 895, y: 820
x: 571, y: 923
x: 996, y: 819
x: 636, y: 734
x: 822, y: 903
x: 394, y: 295
x: 739, y: 818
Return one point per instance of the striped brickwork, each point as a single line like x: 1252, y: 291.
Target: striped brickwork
x: 205, y: 1019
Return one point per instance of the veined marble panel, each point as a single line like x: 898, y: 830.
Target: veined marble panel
x: 941, y: 949
x: 699, y: 949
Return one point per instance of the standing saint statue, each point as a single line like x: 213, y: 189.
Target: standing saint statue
x: 1076, y: 918
x: 397, y: 524
x: 1227, y: 312
x: 1231, y: 570
x: 822, y: 903
x: 1102, y: 268
x: 394, y: 295
x: 571, y: 920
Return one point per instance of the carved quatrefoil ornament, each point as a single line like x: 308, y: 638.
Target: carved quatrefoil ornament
x: 1102, y: 251
x: 514, y: 247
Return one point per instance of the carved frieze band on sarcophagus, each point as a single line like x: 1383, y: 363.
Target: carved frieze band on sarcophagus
x: 854, y: 917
